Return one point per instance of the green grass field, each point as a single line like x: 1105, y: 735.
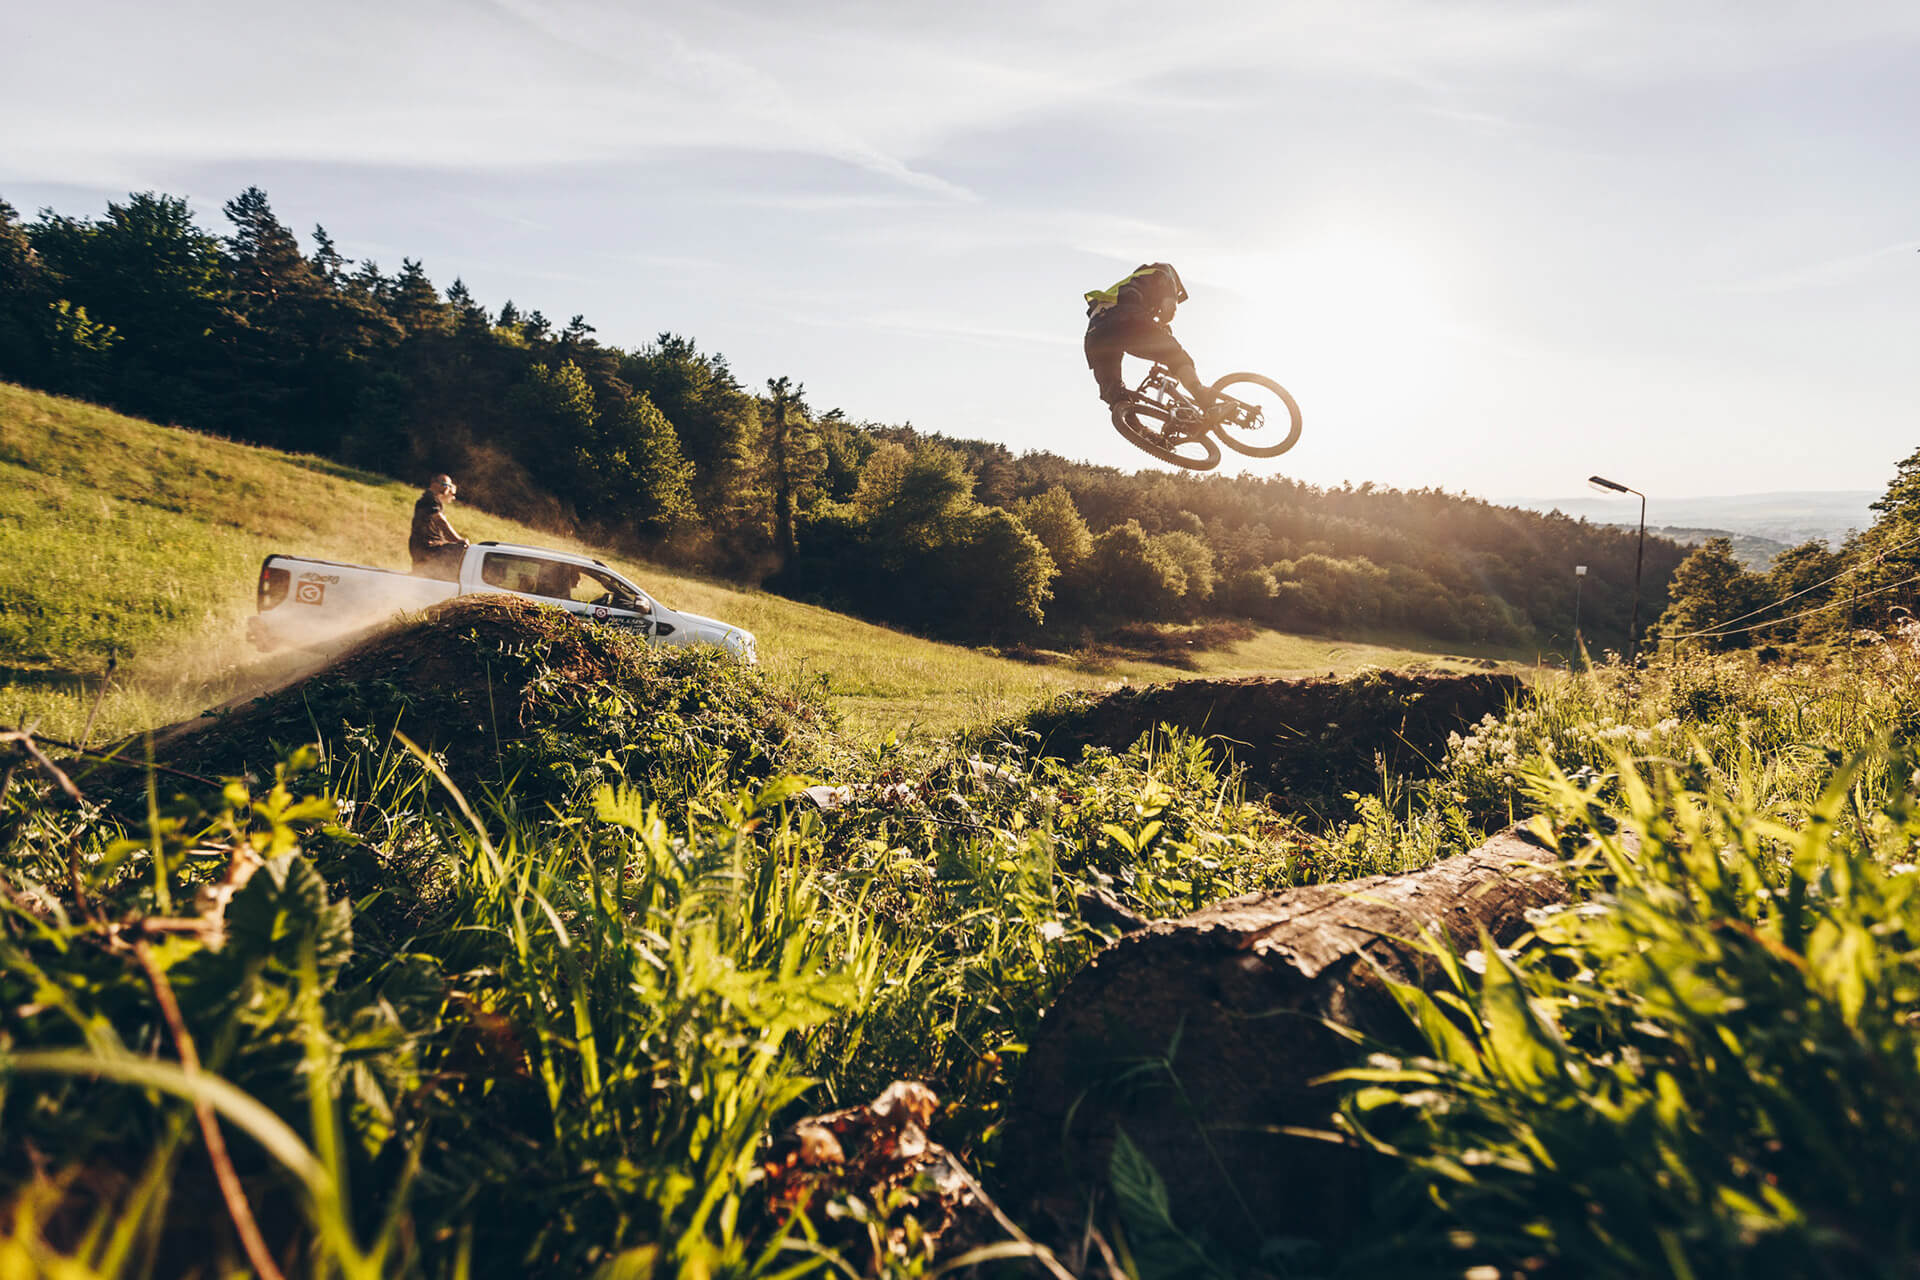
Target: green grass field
x: 143, y: 542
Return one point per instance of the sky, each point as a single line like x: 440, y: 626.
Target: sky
x: 1490, y: 247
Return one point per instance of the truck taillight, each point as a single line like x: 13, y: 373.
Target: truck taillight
x: 273, y: 586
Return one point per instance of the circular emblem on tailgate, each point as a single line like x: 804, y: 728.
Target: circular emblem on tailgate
x: 600, y: 612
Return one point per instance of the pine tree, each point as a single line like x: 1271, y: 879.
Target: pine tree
x: 24, y: 298
x: 266, y: 262
x: 794, y: 456
x: 469, y: 315
x: 411, y: 299
x: 327, y: 261
x: 302, y: 336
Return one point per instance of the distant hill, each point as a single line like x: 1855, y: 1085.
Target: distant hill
x: 1749, y: 549
x: 1788, y: 518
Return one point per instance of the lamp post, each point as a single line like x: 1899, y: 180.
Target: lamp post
x: 1579, y: 580
x: 1639, y: 556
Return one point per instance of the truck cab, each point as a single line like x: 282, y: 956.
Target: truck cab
x: 304, y: 601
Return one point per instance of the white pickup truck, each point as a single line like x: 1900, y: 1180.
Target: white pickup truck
x: 310, y: 603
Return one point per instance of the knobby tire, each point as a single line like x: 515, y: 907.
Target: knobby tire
x: 1254, y: 448
x: 1140, y: 423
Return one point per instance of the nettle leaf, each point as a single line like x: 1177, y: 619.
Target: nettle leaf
x: 623, y: 806
x: 284, y: 909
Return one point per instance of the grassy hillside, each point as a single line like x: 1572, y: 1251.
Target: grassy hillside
x: 517, y: 1037
x: 143, y: 541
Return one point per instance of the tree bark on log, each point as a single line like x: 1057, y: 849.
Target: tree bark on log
x: 1199, y: 1038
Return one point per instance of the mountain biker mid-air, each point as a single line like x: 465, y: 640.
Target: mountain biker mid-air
x: 1132, y: 318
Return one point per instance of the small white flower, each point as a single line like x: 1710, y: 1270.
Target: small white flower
x: 1053, y: 930
x: 1475, y: 960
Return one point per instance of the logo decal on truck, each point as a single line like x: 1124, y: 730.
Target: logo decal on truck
x: 600, y: 612
x: 310, y: 593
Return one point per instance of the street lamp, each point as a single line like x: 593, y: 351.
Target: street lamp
x: 1579, y: 580
x: 1633, y: 627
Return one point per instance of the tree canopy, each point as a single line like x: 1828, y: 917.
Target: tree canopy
x: 255, y: 335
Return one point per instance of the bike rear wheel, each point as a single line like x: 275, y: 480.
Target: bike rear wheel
x: 1143, y: 425
x: 1273, y: 423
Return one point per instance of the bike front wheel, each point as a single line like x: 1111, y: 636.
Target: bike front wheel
x: 1144, y: 426
x: 1268, y: 425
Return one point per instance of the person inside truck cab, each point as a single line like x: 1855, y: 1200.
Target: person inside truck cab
x: 557, y: 580
x: 434, y: 546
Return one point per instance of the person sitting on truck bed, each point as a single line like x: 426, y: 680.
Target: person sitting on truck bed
x: 436, y: 549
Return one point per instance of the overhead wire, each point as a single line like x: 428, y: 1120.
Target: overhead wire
x: 1726, y: 627
x: 1794, y: 617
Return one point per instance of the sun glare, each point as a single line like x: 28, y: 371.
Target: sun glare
x: 1360, y: 321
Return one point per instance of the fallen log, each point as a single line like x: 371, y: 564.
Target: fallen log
x: 1199, y: 1038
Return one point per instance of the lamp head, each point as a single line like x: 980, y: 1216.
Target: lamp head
x: 1601, y: 482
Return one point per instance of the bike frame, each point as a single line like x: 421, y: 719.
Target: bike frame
x: 1162, y: 390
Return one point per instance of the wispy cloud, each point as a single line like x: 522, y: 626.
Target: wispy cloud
x: 879, y: 87
x: 1828, y: 273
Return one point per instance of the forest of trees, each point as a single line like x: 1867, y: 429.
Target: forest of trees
x: 663, y: 450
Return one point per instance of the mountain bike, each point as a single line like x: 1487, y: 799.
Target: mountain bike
x: 1252, y: 415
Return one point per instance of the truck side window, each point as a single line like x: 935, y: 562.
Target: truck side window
x: 511, y: 572
x: 557, y: 580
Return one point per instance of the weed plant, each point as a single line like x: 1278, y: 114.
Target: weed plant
x: 542, y: 1026
x: 1707, y: 1063
x: 542, y: 1022
x: 1707, y: 1066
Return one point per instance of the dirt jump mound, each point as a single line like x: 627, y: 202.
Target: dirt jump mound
x: 1305, y: 742
x: 502, y: 689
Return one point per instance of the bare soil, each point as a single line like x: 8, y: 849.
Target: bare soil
x: 1304, y: 743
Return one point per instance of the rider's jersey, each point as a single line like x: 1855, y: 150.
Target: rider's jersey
x: 1154, y: 289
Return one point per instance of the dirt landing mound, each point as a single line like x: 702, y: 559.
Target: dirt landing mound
x: 1307, y: 742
